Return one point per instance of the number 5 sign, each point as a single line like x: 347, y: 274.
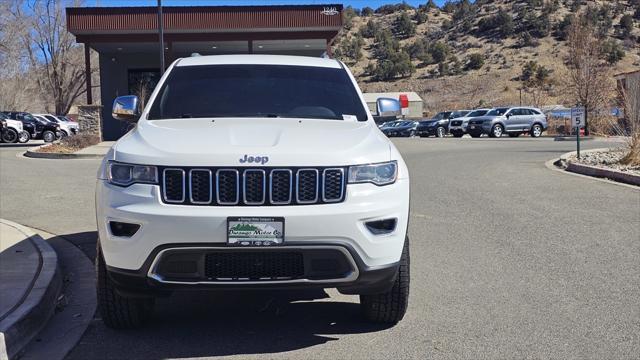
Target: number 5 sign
x: 577, y: 117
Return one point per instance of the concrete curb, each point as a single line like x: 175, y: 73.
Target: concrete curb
x: 591, y: 172
x: 571, y: 138
x: 42, y: 155
x: 25, y: 321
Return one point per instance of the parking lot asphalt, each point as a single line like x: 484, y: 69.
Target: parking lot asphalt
x: 509, y: 260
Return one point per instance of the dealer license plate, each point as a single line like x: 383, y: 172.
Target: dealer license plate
x: 255, y: 231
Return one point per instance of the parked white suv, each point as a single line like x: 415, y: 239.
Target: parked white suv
x: 67, y: 128
x: 252, y: 171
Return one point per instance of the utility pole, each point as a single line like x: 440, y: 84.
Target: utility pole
x: 161, y: 36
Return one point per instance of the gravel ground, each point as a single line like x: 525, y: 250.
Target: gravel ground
x: 606, y: 159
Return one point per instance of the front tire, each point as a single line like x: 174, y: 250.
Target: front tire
x: 496, y: 131
x: 119, y: 312
x: 475, y: 135
x: 391, y: 306
x: 23, y: 137
x: 458, y: 135
x: 48, y: 136
x: 536, y: 130
x: 441, y: 132
x: 10, y: 136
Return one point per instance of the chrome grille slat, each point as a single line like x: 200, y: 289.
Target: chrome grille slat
x: 254, y: 186
x: 228, y: 186
x: 305, y: 179
x: 172, y: 192
x: 332, y: 184
x: 207, y: 186
x: 286, y: 185
x: 196, y: 189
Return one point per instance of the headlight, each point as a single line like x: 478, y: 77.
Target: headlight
x: 379, y: 174
x: 126, y: 174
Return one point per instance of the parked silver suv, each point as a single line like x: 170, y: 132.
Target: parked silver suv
x: 511, y: 120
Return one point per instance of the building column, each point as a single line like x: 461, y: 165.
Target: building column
x: 168, y: 55
x: 250, y: 46
x: 87, y: 72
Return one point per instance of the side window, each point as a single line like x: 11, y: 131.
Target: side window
x: 534, y: 112
x: 515, y: 112
x: 19, y: 116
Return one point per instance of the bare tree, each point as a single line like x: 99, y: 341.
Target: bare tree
x: 590, y: 82
x: 629, y: 95
x: 52, y: 52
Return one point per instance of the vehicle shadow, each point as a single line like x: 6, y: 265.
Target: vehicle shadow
x: 15, y: 145
x: 216, y: 323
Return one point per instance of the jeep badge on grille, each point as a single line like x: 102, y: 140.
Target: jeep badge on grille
x: 254, y: 159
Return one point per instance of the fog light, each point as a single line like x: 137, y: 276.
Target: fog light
x: 123, y: 229
x: 381, y: 227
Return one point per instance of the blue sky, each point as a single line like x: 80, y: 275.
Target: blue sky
x: 355, y: 3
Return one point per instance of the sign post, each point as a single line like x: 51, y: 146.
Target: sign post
x: 577, y: 122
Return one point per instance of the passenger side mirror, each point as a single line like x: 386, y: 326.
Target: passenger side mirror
x: 126, y: 108
x: 388, y: 107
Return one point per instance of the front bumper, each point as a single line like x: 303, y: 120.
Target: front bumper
x: 341, y: 224
x: 356, y: 278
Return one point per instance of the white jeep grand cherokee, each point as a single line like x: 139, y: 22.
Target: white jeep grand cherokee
x: 252, y: 171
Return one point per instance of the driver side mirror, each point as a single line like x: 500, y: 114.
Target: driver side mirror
x: 388, y: 107
x: 126, y: 108
x: 507, y: 115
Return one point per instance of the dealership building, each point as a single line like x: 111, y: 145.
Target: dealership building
x: 127, y: 41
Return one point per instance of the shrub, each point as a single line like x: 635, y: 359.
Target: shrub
x: 502, y: 22
x: 475, y: 61
x: 385, y: 43
x: 392, y: 8
x: 397, y: 64
x: 626, y: 25
x: 404, y: 25
x: 612, y: 51
x: 440, y: 51
x: 464, y: 10
x: 449, y: 7
x: 366, y: 11
x: 562, y: 28
x: 535, y: 75
x: 347, y: 17
x: 421, y: 16
x: 370, y: 29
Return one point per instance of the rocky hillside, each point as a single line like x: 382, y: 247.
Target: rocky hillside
x: 467, y: 54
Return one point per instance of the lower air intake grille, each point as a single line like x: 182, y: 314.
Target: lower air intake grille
x: 254, y: 265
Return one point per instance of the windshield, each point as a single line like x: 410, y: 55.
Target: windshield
x: 50, y: 118
x: 258, y: 91
x: 477, y: 113
x: 497, y: 112
x: 442, y: 115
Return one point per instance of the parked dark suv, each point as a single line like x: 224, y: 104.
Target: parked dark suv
x: 37, y: 129
x: 439, y: 124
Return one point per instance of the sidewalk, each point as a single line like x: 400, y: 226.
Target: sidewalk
x: 97, y: 150
x: 29, y: 285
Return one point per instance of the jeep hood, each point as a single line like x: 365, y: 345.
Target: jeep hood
x: 223, y: 141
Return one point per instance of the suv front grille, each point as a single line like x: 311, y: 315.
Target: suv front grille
x: 253, y: 186
x: 456, y: 123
